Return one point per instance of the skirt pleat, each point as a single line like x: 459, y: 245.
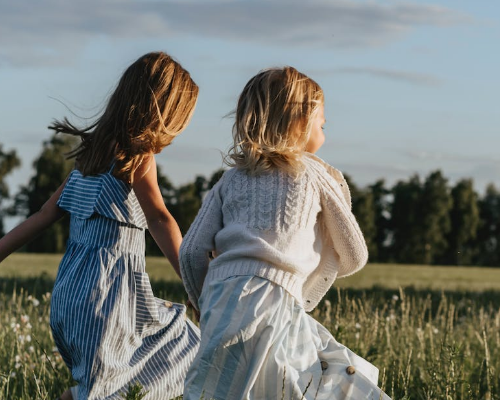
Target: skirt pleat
x: 257, y: 342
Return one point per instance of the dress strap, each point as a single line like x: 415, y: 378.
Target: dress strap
x: 112, y: 167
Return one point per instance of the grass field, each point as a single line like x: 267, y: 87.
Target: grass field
x: 390, y: 276
x: 436, y: 338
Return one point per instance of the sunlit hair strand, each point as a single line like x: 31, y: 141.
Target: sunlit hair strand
x: 273, y: 121
x: 152, y: 103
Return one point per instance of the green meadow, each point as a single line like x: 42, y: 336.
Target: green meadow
x: 434, y: 332
x: 390, y: 276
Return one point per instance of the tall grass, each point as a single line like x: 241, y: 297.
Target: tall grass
x: 427, y: 344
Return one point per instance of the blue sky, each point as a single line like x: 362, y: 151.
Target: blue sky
x: 410, y: 86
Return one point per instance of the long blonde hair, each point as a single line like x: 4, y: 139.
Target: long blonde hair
x: 273, y: 121
x: 152, y: 103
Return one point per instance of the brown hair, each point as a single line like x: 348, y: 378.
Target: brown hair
x: 273, y: 120
x: 152, y: 103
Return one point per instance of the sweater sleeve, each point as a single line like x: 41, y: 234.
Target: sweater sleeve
x: 199, y: 242
x: 344, y: 249
x: 349, y: 246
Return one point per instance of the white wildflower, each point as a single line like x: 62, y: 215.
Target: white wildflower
x: 395, y: 297
x: 31, y: 349
x: 358, y: 325
x: 25, y: 319
x: 12, y: 374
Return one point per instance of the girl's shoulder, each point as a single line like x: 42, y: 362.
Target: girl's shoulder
x: 228, y: 176
x: 327, y: 177
x: 320, y: 166
x: 103, y: 194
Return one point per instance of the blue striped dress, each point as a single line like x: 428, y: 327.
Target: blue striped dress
x: 109, y: 328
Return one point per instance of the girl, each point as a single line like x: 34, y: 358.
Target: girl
x: 280, y: 228
x: 109, y: 328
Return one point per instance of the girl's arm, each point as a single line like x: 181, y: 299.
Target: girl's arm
x: 349, y: 246
x: 30, y: 228
x: 161, y: 224
x: 344, y: 250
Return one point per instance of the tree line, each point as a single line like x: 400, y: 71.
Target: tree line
x: 421, y: 220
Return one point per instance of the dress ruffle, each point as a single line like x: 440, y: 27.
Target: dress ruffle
x: 85, y: 196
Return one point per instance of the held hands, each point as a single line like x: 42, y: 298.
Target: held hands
x: 196, y: 312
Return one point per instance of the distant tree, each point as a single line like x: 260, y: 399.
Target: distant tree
x: 435, y: 207
x: 363, y: 209
x: 464, y: 218
x: 167, y: 189
x: 381, y: 207
x: 200, y: 187
x: 406, y: 243
x: 183, y: 202
x: 215, y: 178
x: 8, y: 162
x: 488, y: 235
x: 189, y: 197
x: 51, y: 169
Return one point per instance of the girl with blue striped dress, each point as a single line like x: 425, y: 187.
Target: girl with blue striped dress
x: 109, y: 328
x: 268, y: 242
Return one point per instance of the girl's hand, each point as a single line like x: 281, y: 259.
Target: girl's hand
x: 196, y: 312
x: 33, y: 226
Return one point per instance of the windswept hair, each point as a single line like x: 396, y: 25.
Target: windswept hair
x: 152, y: 103
x: 273, y: 121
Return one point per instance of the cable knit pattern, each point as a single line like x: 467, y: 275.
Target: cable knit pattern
x: 298, y: 232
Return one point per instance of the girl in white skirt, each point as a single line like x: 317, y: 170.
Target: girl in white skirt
x: 270, y: 239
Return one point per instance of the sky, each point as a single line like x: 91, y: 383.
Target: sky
x: 410, y: 86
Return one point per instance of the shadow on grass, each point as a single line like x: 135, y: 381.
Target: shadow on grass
x: 377, y: 296
x: 380, y: 297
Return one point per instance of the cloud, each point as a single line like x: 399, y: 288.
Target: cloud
x: 452, y: 157
x: 363, y: 174
x: 53, y: 31
x: 403, y: 76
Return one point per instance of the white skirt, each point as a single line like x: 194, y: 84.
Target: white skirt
x: 257, y: 342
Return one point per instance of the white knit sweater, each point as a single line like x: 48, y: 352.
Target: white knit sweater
x: 299, y: 232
